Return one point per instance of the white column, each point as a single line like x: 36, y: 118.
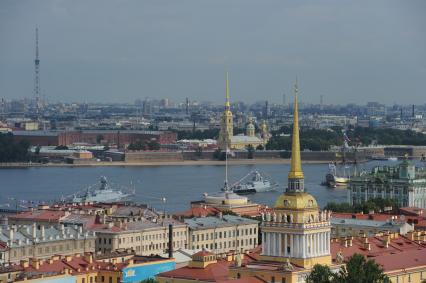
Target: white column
x: 269, y: 243
x: 291, y: 245
x: 285, y: 245
x: 314, y: 241
x: 295, y: 251
x: 317, y: 243
x: 263, y: 243
x: 304, y: 246
x: 274, y: 244
x: 328, y: 243
x: 280, y: 248
x: 266, y: 243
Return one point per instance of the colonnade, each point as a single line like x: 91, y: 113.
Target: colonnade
x: 296, y: 245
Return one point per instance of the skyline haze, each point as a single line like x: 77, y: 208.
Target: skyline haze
x: 346, y: 51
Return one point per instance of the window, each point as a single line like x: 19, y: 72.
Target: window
x: 272, y: 279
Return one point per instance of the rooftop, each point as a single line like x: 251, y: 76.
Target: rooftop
x: 211, y: 222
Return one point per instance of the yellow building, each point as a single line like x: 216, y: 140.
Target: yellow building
x: 226, y: 134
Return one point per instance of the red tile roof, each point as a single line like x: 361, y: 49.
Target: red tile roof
x: 244, y: 280
x: 401, y: 252
x: 39, y: 215
x: 214, y: 272
x: 198, y: 212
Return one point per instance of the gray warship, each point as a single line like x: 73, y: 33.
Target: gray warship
x: 104, y: 193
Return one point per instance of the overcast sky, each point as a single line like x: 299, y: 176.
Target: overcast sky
x: 119, y: 51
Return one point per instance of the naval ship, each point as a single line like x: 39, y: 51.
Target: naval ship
x: 257, y: 184
x: 104, y: 193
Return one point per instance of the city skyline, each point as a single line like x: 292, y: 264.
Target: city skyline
x: 120, y: 52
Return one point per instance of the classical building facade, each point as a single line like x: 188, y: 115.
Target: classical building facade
x: 144, y: 237
x: 226, y: 135
x: 39, y: 241
x: 222, y: 234
x: 404, y: 183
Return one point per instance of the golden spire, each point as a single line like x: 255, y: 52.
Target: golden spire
x: 296, y: 163
x: 227, y: 103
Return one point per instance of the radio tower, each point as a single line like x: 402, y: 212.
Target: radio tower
x: 37, y: 76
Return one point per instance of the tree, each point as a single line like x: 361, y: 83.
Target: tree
x: 320, y: 274
x: 199, y: 151
x: 260, y: 147
x: 11, y: 150
x: 153, y: 145
x: 137, y: 145
x: 250, y: 151
x: 99, y: 138
x: 358, y: 270
x: 219, y: 155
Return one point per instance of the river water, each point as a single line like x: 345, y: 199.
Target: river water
x: 178, y: 184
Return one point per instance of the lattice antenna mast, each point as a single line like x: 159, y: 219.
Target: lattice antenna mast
x: 37, y: 73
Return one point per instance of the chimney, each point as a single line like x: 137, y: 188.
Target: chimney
x: 349, y: 241
x: 170, y: 240
x: 11, y: 234
x: 35, y: 263
x: 88, y: 257
x: 42, y: 232
x: 25, y: 263
x: 367, y: 246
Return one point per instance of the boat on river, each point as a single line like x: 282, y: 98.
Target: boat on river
x: 104, y: 193
x: 254, y: 182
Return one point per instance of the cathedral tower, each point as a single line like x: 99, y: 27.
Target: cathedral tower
x: 297, y: 233
x: 226, y: 124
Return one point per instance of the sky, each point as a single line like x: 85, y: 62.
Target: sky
x: 119, y: 51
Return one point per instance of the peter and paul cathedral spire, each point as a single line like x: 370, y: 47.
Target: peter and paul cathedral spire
x: 295, y: 176
x: 226, y: 124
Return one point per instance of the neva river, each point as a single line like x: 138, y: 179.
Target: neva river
x: 178, y: 184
